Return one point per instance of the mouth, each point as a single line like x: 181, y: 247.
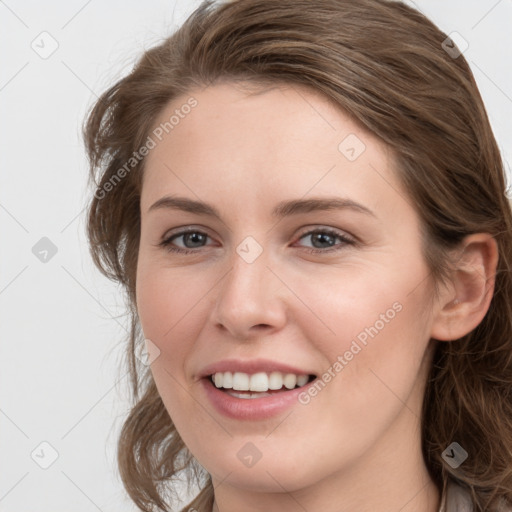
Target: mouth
x: 256, y: 389
x: 258, y: 385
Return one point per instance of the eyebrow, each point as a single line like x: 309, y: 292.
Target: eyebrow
x: 283, y: 209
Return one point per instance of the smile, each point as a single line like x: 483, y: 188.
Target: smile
x: 258, y: 384
x: 255, y: 394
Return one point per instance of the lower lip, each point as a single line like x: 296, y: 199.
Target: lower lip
x: 251, y: 408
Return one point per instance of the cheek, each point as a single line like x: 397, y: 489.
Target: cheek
x: 360, y: 303
x: 170, y: 306
x: 372, y: 328
x: 168, y: 299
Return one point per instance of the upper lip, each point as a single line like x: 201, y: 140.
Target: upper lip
x: 251, y: 366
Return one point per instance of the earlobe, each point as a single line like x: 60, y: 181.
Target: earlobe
x: 464, y: 304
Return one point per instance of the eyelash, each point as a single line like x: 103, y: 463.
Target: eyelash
x: 166, y: 244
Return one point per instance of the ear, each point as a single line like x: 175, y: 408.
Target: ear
x: 463, y: 303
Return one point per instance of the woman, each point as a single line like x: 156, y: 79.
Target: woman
x: 305, y: 204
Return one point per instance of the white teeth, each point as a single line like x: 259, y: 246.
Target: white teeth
x: 228, y: 380
x: 301, y: 380
x: 259, y: 383
x: 247, y: 395
x: 240, y: 381
x: 290, y: 380
x: 275, y: 380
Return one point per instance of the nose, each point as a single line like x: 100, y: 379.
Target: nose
x: 250, y: 300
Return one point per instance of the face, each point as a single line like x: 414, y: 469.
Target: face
x: 287, y: 256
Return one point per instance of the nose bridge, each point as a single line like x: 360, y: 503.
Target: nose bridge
x: 247, y: 296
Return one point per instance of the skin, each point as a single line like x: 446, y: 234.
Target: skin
x: 356, y: 445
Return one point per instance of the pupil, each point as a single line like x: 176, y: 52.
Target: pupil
x: 323, y: 237
x: 197, y: 236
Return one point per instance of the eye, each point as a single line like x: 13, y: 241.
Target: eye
x: 191, y: 238
x: 324, y: 240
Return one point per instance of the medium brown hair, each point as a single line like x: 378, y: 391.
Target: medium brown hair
x: 384, y: 64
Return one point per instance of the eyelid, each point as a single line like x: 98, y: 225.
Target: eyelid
x: 334, y: 231
x: 179, y: 232
x: 182, y: 230
x: 345, y: 238
x: 307, y: 230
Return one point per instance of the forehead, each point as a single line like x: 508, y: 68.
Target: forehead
x: 253, y: 139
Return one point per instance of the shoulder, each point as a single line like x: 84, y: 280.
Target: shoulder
x: 458, y: 499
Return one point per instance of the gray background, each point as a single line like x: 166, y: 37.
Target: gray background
x: 61, y: 322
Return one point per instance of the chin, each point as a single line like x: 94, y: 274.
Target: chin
x: 269, y: 473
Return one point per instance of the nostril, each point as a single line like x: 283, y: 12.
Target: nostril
x: 262, y: 326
